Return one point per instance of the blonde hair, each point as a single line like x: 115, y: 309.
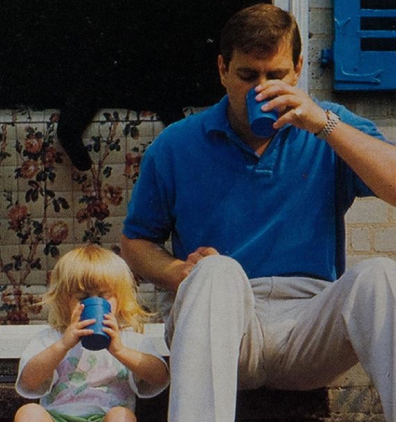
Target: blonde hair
x: 93, y: 269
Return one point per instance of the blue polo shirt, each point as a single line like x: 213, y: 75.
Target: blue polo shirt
x: 279, y: 214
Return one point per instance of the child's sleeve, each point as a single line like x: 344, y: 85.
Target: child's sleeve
x: 141, y: 388
x: 40, y: 342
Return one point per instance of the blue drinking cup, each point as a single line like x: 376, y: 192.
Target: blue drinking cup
x: 95, y: 307
x: 261, y: 123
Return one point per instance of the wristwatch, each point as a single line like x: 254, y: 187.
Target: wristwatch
x: 332, y: 121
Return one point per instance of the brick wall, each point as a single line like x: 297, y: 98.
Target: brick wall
x: 371, y: 224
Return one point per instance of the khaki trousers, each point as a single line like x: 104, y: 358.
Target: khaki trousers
x: 227, y: 332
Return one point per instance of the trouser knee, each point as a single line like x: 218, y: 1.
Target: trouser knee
x: 369, y: 283
x: 375, y: 273
x: 217, y: 272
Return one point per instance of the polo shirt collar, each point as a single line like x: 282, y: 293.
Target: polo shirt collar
x: 217, y: 122
x: 217, y: 125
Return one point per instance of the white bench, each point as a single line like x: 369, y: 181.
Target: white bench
x: 14, y: 338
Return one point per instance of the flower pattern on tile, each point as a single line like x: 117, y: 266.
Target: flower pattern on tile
x: 37, y: 214
x: 96, y: 193
x: 3, y: 143
x: 18, y: 302
x: 38, y: 159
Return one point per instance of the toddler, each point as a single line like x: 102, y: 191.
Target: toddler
x: 76, y: 384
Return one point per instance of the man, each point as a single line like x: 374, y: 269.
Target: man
x: 257, y: 229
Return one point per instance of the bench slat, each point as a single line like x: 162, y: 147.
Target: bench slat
x: 15, y: 338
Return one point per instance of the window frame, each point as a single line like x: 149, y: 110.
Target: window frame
x: 300, y: 10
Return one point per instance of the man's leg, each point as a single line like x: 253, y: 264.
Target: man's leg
x: 354, y: 319
x: 213, y: 309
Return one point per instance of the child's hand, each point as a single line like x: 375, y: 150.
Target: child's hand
x: 113, y: 330
x: 76, y: 329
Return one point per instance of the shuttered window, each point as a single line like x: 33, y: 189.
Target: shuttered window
x: 365, y: 44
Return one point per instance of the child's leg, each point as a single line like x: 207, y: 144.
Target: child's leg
x: 120, y: 414
x: 32, y: 412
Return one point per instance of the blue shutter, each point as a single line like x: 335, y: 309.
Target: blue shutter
x: 364, y: 44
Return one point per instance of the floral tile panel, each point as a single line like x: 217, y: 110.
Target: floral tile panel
x: 48, y: 207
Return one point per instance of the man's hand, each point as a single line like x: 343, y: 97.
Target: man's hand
x: 195, y: 257
x: 295, y: 106
x: 154, y: 263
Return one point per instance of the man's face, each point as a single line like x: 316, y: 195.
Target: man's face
x: 246, y: 71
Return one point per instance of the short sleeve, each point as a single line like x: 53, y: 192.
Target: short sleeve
x: 148, y: 215
x: 348, y: 181
x: 143, y: 344
x: 41, y: 341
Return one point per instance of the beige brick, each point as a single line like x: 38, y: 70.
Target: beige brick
x: 368, y: 210
x: 385, y: 240
x: 320, y: 78
x: 320, y: 4
x: 355, y: 259
x: 360, y: 240
x: 388, y: 128
x: 355, y: 377
x: 321, y: 21
x: 354, y: 400
x: 354, y: 417
x: 375, y: 107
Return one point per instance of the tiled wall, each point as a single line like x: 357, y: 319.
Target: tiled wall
x: 47, y: 207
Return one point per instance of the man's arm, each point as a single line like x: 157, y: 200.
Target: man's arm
x: 153, y: 263
x: 373, y: 160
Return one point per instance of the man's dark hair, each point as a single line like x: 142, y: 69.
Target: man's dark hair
x: 260, y: 28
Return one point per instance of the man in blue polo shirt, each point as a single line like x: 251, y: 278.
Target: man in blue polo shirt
x: 255, y: 290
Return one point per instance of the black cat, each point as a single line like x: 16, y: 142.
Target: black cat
x: 79, y: 56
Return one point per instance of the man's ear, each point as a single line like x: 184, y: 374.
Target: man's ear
x: 297, y: 70
x: 222, y: 69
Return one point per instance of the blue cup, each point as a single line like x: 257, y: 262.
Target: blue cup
x: 261, y: 123
x: 95, y: 307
